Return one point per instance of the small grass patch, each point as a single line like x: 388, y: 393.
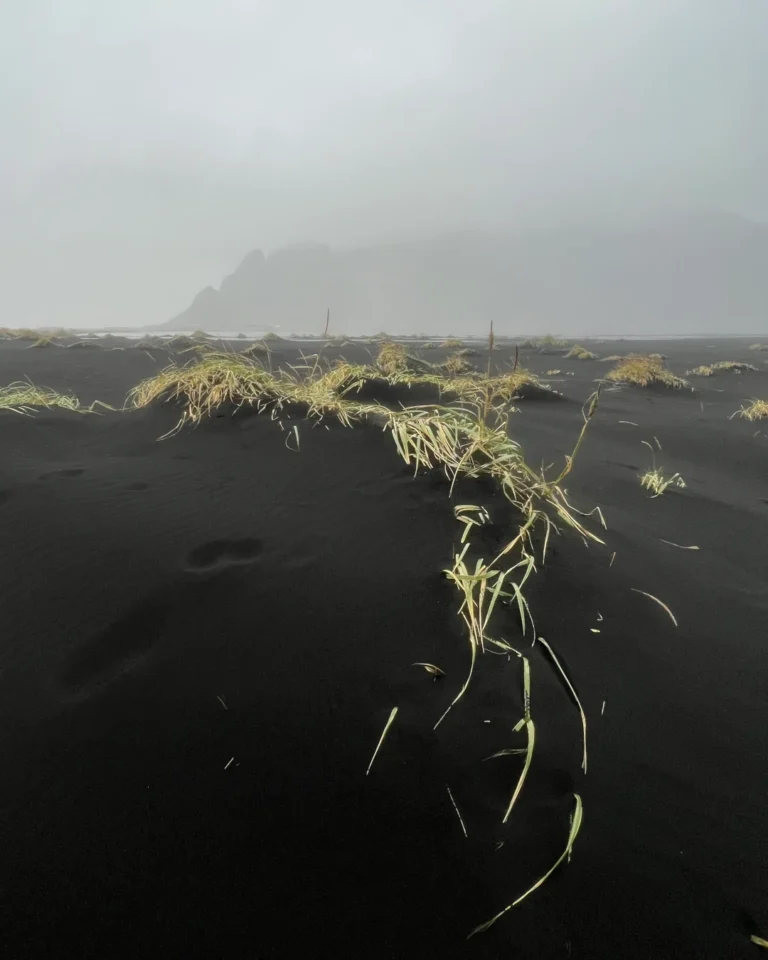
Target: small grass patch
x: 655, y: 481
x: 456, y: 366
x: 758, y: 346
x: 577, y: 352
x: 729, y: 366
x: 644, y: 371
x: 754, y: 410
x: 546, y: 344
x: 257, y: 349
x: 25, y: 398
x: 41, y: 343
x: 452, y: 343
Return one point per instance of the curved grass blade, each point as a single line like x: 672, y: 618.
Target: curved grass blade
x: 576, y: 821
x: 575, y: 697
x: 531, y: 731
x: 660, y: 603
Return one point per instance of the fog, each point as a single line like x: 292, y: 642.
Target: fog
x: 148, y: 146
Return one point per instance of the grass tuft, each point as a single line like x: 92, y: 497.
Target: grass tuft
x: 643, y: 371
x: 456, y: 366
x: 730, y: 366
x: 655, y: 481
x: 23, y: 397
x: 577, y: 352
x: 754, y: 410
x: 758, y: 346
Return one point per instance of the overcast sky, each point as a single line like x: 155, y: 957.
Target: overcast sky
x: 148, y: 145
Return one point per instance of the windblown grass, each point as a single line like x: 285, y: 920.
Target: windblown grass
x: 25, y: 398
x: 754, y: 410
x: 577, y: 352
x: 456, y: 365
x: 256, y: 349
x: 217, y: 379
x: 643, y: 371
x: 392, y: 359
x: 546, y: 344
x: 729, y: 366
x: 452, y: 343
x: 466, y: 439
x: 576, y: 821
x: 655, y: 481
x: 41, y: 343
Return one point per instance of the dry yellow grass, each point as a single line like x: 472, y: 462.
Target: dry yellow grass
x: 24, y: 397
x: 643, y: 371
x: 577, y: 352
x: 456, y: 366
x: 754, y: 410
x: 730, y: 366
x: 392, y: 359
x: 655, y: 481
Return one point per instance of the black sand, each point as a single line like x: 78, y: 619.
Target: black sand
x: 202, y: 638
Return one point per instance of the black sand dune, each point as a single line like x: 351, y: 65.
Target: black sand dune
x: 201, y: 640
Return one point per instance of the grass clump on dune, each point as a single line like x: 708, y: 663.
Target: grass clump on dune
x: 41, y: 343
x: 23, y: 397
x: 758, y: 346
x: 731, y: 366
x: 455, y: 366
x: 577, y: 352
x: 754, y: 410
x: 643, y: 371
x: 452, y: 343
x: 393, y: 360
x: 546, y: 344
x: 217, y: 379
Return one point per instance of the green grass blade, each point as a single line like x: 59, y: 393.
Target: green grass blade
x: 576, y: 822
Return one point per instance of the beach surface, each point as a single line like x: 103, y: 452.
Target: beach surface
x: 202, y: 638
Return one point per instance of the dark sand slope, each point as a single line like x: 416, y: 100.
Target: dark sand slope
x: 145, y: 583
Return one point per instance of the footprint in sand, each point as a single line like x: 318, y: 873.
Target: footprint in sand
x: 218, y: 554
x: 5, y: 496
x: 112, y: 652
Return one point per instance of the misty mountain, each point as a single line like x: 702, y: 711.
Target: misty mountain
x: 693, y: 274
